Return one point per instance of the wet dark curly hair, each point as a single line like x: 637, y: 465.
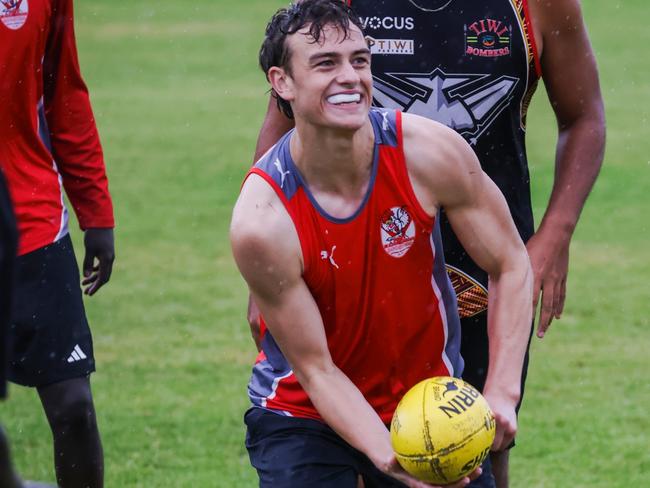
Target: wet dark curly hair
x: 317, y: 14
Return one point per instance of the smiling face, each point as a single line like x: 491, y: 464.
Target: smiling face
x: 328, y: 83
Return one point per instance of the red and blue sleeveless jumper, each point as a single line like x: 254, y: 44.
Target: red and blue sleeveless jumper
x: 378, y: 278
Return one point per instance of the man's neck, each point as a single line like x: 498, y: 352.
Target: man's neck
x: 334, y: 161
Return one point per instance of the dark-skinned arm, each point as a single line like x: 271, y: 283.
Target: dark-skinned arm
x: 571, y: 79
x: 76, y: 147
x: 98, y: 260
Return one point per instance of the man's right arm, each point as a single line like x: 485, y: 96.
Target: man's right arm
x: 275, y: 125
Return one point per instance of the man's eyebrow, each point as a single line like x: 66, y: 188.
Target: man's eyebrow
x: 334, y: 54
x: 317, y: 56
x: 365, y: 50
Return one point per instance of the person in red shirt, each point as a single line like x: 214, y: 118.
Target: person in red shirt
x: 336, y: 232
x: 48, y: 143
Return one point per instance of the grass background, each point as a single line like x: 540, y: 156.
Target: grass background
x: 179, y: 99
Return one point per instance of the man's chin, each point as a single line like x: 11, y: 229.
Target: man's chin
x: 347, y: 121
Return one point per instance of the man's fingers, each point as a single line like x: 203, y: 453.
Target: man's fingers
x: 475, y: 474
x: 460, y: 483
x: 504, y: 436
x: 536, y: 293
x: 89, y: 259
x: 508, y: 436
x: 103, y: 275
x: 98, y: 276
x: 561, y: 298
x: 556, y: 299
x: 92, y: 289
x: 467, y: 479
x: 506, y: 426
x: 498, y: 439
x: 537, y: 289
x: 106, y: 266
x: 546, y: 311
x: 90, y: 279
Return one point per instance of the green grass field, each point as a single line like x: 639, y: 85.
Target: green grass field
x: 179, y: 99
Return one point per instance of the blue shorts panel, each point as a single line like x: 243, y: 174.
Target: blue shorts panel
x: 290, y: 452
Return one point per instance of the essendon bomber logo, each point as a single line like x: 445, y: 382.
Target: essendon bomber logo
x: 397, y: 231
x: 488, y: 38
x: 13, y: 13
x: 468, y: 103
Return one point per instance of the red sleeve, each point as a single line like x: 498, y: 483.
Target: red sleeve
x: 73, y: 133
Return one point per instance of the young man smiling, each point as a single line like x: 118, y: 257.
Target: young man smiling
x: 336, y: 232
x: 474, y: 65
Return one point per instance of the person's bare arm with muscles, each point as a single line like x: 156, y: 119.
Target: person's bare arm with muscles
x: 448, y: 175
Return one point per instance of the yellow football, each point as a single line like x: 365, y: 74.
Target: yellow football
x: 442, y: 430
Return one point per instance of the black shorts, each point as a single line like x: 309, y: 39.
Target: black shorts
x: 51, y: 340
x: 291, y: 452
x: 8, y: 244
x: 474, y: 349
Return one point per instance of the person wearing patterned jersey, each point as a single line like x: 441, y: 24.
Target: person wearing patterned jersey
x: 336, y: 232
x: 474, y: 66
x: 48, y: 143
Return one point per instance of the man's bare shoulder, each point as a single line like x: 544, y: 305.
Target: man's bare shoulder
x: 262, y: 234
x: 555, y: 18
x: 431, y: 140
x: 440, y: 162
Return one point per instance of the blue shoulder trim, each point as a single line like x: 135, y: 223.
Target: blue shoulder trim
x: 278, y: 165
x: 384, y: 121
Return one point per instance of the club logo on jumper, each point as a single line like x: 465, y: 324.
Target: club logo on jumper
x: 488, y: 38
x: 13, y: 13
x: 390, y: 46
x: 387, y: 23
x: 468, y: 103
x: 397, y: 231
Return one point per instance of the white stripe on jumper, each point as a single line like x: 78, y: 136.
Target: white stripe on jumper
x: 274, y: 387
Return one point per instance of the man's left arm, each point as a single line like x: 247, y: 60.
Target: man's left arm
x: 571, y: 79
x: 76, y: 147
x: 479, y: 216
x: 446, y: 173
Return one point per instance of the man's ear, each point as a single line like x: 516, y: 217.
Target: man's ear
x: 281, y: 83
